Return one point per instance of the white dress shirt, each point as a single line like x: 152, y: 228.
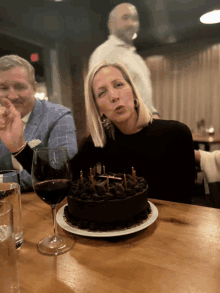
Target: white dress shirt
x: 115, y: 50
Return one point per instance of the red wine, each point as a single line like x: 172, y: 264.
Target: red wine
x: 52, y: 191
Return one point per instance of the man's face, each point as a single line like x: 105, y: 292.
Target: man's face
x: 15, y: 86
x: 126, y: 22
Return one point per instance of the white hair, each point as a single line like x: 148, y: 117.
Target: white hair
x: 92, y: 113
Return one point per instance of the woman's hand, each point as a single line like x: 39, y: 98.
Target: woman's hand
x: 11, y: 126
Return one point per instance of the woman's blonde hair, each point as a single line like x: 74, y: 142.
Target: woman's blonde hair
x: 92, y: 113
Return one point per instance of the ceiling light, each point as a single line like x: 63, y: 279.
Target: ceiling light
x: 211, y: 17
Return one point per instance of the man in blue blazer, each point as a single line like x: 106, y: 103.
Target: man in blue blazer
x: 45, y: 124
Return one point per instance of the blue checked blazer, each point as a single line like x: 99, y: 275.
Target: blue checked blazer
x: 53, y: 125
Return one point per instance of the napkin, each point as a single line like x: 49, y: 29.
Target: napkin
x: 33, y: 143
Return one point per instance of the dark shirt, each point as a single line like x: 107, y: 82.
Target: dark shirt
x: 162, y: 153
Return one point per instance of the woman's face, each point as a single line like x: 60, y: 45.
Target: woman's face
x: 114, y: 95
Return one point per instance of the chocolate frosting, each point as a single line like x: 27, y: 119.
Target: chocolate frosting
x: 103, y: 205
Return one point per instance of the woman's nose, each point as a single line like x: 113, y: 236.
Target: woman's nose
x: 113, y: 95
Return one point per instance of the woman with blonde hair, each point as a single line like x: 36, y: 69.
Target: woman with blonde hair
x: 97, y: 123
x: 124, y: 135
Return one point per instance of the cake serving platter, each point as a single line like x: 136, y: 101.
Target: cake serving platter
x: 83, y: 232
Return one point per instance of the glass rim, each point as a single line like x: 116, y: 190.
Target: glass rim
x: 7, y: 172
x: 52, y: 149
x: 9, y: 208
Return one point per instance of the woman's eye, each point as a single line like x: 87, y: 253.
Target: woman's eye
x: 3, y: 88
x: 100, y: 94
x: 119, y: 85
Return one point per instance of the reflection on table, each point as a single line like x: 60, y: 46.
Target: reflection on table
x: 180, y: 252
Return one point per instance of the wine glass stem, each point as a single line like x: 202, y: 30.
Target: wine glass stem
x: 54, y: 221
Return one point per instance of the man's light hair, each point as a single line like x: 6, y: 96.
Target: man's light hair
x: 92, y: 112
x: 8, y: 62
x: 113, y: 15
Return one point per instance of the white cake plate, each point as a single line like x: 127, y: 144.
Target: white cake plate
x: 61, y: 220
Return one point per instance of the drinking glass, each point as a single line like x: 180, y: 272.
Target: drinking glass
x: 51, y: 179
x: 8, y: 262
x: 10, y: 192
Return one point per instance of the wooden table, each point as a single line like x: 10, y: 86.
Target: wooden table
x: 179, y: 253
x: 206, y: 139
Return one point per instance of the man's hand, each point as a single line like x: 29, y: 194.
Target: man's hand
x: 11, y: 126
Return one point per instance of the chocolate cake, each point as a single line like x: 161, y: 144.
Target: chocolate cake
x: 110, y: 202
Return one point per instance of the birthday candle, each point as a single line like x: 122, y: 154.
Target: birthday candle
x: 90, y: 170
x: 103, y: 169
x: 125, y: 181
x: 108, y: 183
x: 81, y: 176
x: 132, y: 172
x: 135, y: 180
x: 93, y: 183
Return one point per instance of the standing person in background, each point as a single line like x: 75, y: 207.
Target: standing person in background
x: 123, y: 26
x: 44, y: 124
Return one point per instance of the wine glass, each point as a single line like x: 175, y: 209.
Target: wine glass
x: 51, y: 179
